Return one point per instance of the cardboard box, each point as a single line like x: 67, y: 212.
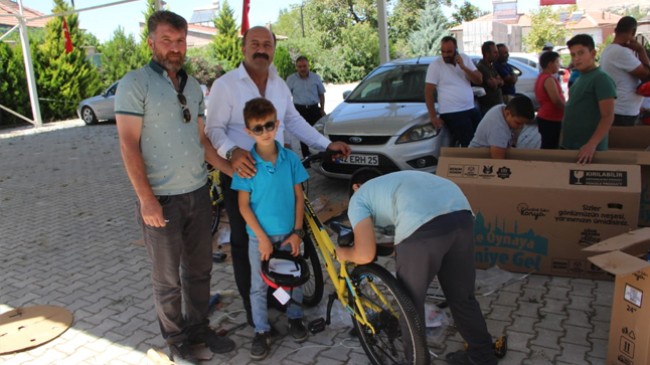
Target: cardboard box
x: 629, y: 330
x: 537, y: 216
x: 636, y: 140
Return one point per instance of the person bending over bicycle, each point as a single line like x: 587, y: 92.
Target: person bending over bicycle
x: 433, y: 224
x: 272, y: 204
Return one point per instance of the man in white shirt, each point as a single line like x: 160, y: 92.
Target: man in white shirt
x: 627, y: 70
x: 450, y: 77
x: 255, y: 77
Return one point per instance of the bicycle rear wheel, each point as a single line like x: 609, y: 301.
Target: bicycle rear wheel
x: 399, y: 336
x: 312, y: 290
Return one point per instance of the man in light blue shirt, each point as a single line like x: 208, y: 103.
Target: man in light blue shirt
x: 434, y: 226
x: 308, y: 92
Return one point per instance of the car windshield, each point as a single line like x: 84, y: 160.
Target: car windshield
x: 394, y: 83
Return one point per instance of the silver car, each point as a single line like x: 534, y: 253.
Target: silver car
x: 100, y: 107
x: 386, y: 123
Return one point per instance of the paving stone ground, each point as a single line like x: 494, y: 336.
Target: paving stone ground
x: 69, y: 238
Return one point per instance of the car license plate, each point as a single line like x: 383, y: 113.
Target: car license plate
x: 370, y: 160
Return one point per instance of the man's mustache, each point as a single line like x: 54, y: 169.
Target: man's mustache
x: 261, y: 55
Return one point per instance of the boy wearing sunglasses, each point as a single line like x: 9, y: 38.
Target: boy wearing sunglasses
x: 272, y: 204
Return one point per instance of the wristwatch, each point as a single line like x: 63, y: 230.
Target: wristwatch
x: 299, y: 232
x: 230, y: 152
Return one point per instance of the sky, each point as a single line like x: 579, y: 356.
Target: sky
x: 103, y: 22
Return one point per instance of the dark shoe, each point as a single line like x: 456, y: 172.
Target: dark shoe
x: 181, y: 354
x: 297, y: 330
x: 459, y: 358
x: 260, y: 347
x: 217, y: 344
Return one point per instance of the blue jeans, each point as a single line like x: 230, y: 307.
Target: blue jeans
x: 462, y: 125
x: 259, y: 287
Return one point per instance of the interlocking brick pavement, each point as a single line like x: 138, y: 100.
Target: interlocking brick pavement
x: 69, y: 238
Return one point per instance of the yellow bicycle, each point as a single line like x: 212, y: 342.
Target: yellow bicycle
x: 384, y: 317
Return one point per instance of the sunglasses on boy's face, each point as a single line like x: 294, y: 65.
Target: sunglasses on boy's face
x: 187, y: 116
x: 260, y: 128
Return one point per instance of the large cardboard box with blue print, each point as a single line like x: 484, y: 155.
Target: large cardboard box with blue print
x: 537, y: 216
x: 636, y: 142
x: 629, y: 329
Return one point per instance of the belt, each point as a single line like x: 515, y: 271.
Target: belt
x: 306, y: 106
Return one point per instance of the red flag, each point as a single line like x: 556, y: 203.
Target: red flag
x: 68, y: 40
x: 244, y: 17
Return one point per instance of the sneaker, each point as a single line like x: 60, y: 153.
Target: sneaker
x: 260, y: 346
x: 181, y: 354
x: 459, y: 358
x: 217, y: 344
x: 297, y: 330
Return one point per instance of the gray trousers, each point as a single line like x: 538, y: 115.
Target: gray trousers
x: 181, y: 262
x: 444, y: 246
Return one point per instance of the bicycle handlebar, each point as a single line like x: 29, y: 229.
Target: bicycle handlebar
x: 320, y: 156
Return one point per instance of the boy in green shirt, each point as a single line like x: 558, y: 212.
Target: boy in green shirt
x: 589, y: 113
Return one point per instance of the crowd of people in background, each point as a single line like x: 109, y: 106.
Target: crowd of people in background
x: 598, y: 96
x: 249, y: 109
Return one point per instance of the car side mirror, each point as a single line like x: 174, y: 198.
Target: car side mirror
x: 346, y: 94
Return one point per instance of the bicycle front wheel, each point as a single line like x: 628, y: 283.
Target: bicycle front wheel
x: 399, y: 336
x: 312, y: 290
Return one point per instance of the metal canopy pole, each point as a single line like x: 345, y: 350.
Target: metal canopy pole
x: 384, y: 55
x: 29, y: 68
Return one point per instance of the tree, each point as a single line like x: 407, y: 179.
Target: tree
x: 63, y: 79
x: 226, y: 44
x: 432, y: 27
x: 144, y: 51
x: 466, y: 12
x: 13, y: 84
x: 120, y: 55
x: 545, y: 27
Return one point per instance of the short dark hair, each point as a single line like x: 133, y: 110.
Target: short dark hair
x: 166, y: 17
x: 363, y: 175
x: 243, y: 41
x: 521, y: 106
x: 487, y: 45
x: 582, y: 40
x: 258, y: 108
x: 547, y: 58
x: 301, y: 58
x: 449, y: 38
x: 625, y: 24
x: 501, y: 45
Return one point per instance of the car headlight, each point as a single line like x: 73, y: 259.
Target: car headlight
x: 320, y: 127
x: 418, y: 133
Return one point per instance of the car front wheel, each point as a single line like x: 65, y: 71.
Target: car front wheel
x: 88, y: 115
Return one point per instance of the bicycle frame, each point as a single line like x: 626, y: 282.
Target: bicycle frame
x: 341, y: 280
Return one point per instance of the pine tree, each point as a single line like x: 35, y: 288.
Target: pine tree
x: 63, y: 79
x: 145, y: 52
x: 13, y: 84
x: 226, y: 44
x: 432, y: 26
x: 120, y: 55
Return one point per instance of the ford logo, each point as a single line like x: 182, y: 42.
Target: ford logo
x: 355, y: 139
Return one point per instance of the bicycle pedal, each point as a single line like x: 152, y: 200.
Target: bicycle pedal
x: 317, y: 325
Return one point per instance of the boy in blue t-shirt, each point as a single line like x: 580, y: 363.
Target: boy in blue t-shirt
x: 272, y: 204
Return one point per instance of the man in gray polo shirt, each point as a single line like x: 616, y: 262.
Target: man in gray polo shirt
x: 308, y: 95
x: 159, y: 111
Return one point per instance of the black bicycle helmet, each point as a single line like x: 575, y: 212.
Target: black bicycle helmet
x: 284, y: 270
